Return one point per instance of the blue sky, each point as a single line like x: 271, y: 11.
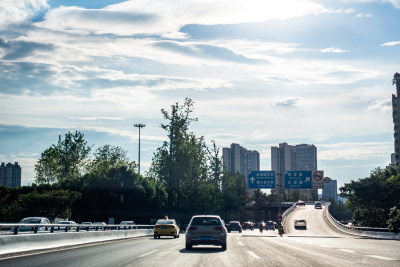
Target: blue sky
x: 260, y: 73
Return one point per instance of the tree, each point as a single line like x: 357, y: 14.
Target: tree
x: 107, y: 157
x: 181, y: 162
x: 64, y: 161
x: 371, y: 198
x: 50, y: 202
x: 394, y: 219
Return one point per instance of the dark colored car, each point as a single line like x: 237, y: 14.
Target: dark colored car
x: 318, y: 205
x: 206, y: 230
x: 300, y: 203
x: 248, y: 225
x: 234, y: 226
x: 270, y: 226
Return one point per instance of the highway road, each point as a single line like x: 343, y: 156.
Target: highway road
x: 318, y: 245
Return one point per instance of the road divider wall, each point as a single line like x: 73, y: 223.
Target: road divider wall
x: 10, y: 244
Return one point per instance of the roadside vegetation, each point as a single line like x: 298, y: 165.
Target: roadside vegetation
x: 73, y: 181
x: 375, y: 200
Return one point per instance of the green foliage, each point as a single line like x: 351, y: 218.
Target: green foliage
x: 107, y: 157
x: 64, y: 161
x: 394, y: 219
x: 340, y: 211
x: 191, y: 173
x: 38, y: 201
x: 371, y: 198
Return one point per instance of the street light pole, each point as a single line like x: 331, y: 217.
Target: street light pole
x: 139, y: 126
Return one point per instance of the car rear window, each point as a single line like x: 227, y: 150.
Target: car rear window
x: 205, y: 221
x: 165, y: 222
x: 30, y: 220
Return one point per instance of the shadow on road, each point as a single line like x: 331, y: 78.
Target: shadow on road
x: 202, y: 250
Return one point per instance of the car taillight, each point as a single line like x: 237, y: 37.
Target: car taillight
x: 219, y: 228
x: 171, y: 227
x: 192, y: 228
x: 157, y: 226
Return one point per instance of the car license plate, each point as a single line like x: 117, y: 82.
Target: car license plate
x: 205, y: 238
x: 164, y: 227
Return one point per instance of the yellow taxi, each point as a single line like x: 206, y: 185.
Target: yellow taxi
x: 166, y: 227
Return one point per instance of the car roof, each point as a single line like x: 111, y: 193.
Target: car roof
x: 211, y: 216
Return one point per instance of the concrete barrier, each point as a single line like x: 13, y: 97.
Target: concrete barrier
x: 10, y: 244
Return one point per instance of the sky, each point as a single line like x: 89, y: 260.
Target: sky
x: 259, y: 72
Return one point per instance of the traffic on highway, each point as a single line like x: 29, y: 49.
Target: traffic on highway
x: 319, y: 244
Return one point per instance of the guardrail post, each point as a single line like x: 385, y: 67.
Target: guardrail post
x: 16, y: 230
x: 52, y: 229
x: 35, y: 229
x: 78, y: 228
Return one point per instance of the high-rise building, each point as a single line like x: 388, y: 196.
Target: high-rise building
x: 238, y: 159
x: 301, y: 157
x: 10, y: 174
x: 396, y: 117
x: 329, y: 192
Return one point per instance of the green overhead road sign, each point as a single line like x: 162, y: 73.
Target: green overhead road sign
x: 298, y: 179
x: 261, y: 180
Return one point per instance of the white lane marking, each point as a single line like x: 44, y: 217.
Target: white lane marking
x: 148, y: 253
x: 381, y: 257
x: 241, y: 244
x: 346, y: 250
x: 310, y: 243
x: 253, y: 255
x: 324, y: 246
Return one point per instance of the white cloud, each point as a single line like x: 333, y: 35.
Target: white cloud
x: 364, y: 15
x: 333, y: 50
x: 356, y: 150
x: 18, y: 11
x: 96, y: 118
x: 395, y: 3
x: 166, y: 17
x: 384, y: 105
x: 391, y: 43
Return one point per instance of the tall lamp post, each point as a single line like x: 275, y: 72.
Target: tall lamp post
x: 139, y: 126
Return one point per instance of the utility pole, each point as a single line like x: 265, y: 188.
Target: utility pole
x: 139, y: 126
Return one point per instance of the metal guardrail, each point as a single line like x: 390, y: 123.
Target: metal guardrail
x: 15, y: 228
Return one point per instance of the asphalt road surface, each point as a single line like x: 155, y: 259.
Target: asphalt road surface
x: 318, y: 245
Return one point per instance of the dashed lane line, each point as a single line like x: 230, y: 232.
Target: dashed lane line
x: 346, y: 250
x: 148, y: 253
x: 241, y: 244
x: 253, y: 255
x: 381, y: 257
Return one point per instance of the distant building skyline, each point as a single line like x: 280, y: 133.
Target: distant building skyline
x: 238, y: 159
x: 10, y: 174
x: 301, y: 157
x: 329, y: 192
x: 396, y: 118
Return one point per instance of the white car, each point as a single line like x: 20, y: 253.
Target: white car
x: 67, y: 223
x: 300, y: 223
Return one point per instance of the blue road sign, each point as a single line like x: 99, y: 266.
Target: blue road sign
x: 261, y: 180
x: 298, y: 179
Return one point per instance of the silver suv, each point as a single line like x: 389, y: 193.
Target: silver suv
x: 206, y: 230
